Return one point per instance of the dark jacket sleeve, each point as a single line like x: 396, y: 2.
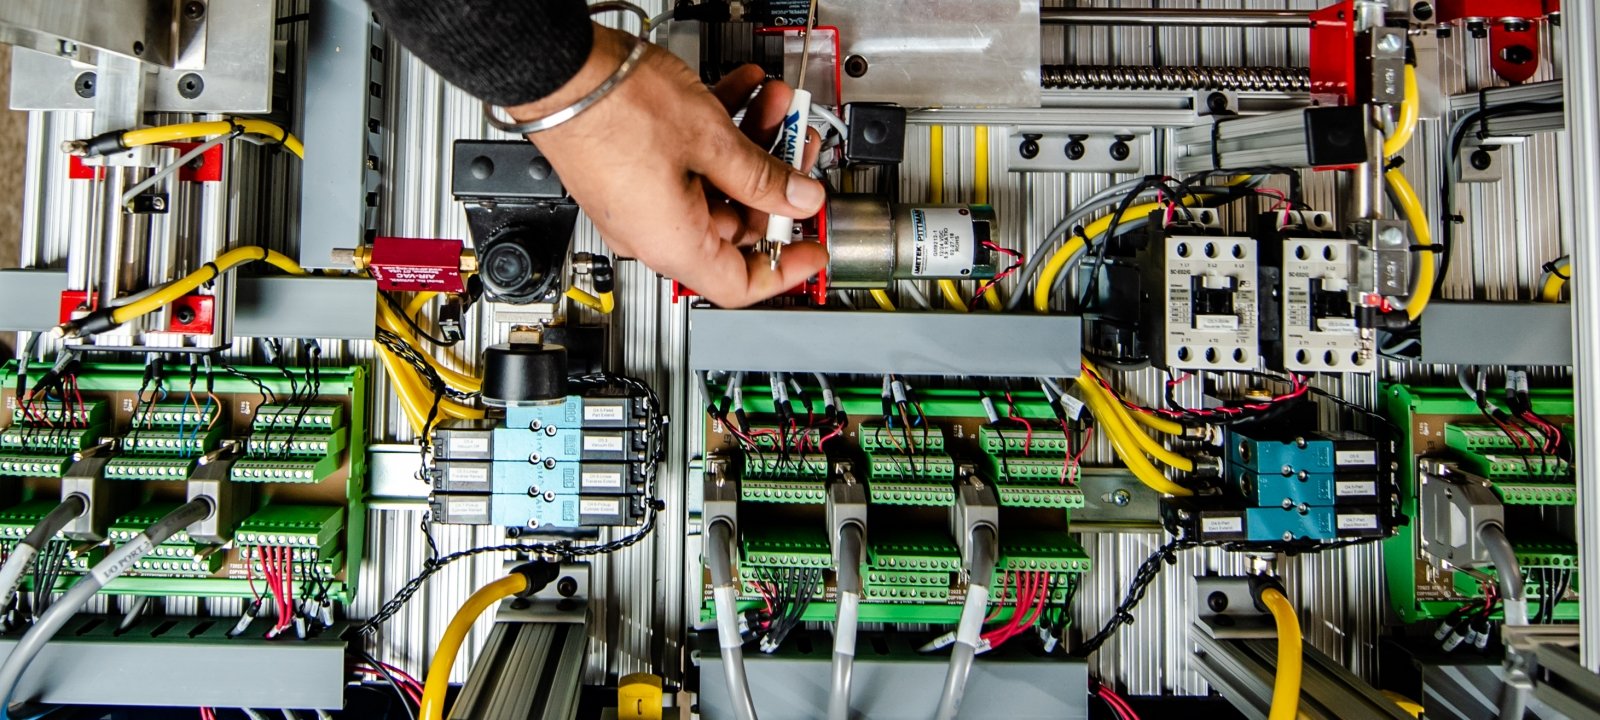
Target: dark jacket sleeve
x: 507, y: 52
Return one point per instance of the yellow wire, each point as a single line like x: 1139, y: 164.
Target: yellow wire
x: 444, y: 656
x: 1120, y: 416
x: 579, y: 296
x: 952, y: 295
x: 1052, y: 268
x: 980, y: 193
x: 1409, y: 706
x: 1412, y: 207
x: 936, y: 163
x: 1551, y: 292
x: 418, y: 302
x: 414, y: 416
x: 1130, y: 455
x: 187, y: 131
x: 608, y: 302
x: 1158, y: 424
x: 187, y: 284
x: 456, y: 379
x: 882, y: 298
x: 1286, y: 688
x: 1410, y: 111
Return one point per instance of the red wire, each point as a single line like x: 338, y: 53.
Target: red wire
x: 1124, y: 710
x: 250, y: 575
x: 410, y: 692
x: 999, y: 598
x: 1011, y: 412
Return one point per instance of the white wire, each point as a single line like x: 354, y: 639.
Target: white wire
x: 822, y: 111
x: 182, y: 161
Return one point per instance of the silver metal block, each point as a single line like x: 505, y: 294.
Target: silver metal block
x: 985, y: 52
x: 227, y: 69
x: 1449, y: 514
x: 183, y: 662
x: 1481, y: 333
x: 527, y: 669
x: 929, y: 343
x: 85, y: 29
x: 892, y: 682
x: 303, y: 307
x: 1065, y: 150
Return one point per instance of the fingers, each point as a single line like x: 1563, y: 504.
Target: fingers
x: 764, y: 116
x: 735, y: 87
x: 747, y: 174
x: 729, y: 278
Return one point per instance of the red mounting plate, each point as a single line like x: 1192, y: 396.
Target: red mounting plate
x: 200, y: 312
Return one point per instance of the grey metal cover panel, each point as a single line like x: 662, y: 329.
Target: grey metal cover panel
x: 21, y: 292
x: 319, y: 307
x: 183, y: 662
x: 1480, y: 333
x: 341, y: 129
x: 923, y: 343
x: 899, y: 684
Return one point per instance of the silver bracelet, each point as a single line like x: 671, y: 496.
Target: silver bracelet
x: 492, y: 115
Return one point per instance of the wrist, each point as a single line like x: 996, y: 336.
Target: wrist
x: 609, y: 49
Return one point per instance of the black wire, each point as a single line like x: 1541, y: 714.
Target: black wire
x: 405, y: 702
x: 1111, y: 234
x: 412, y: 322
x: 1146, y: 574
x: 1448, y: 187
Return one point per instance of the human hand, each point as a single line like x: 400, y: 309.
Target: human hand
x: 664, y: 174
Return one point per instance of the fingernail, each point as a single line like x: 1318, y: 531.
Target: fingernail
x: 804, y: 193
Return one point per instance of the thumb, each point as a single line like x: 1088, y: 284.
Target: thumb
x: 750, y: 176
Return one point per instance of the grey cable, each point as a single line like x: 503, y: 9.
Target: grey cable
x: 252, y: 714
x: 1058, y: 234
x: 1504, y: 557
x: 182, y: 161
x: 114, y: 564
x: 917, y: 295
x: 17, y: 564
x: 720, y: 559
x: 848, y: 584
x: 961, y: 654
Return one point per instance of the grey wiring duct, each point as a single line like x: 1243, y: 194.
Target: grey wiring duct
x: 719, y: 557
x: 114, y: 564
x: 848, y: 583
x: 17, y: 564
x: 1509, y: 571
x: 971, y: 627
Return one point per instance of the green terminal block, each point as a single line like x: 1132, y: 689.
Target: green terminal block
x: 128, y: 526
x: 769, y: 464
x: 907, y: 577
x: 875, y: 438
x: 275, y: 419
x: 83, y: 556
x: 299, y: 444
x: 802, y: 492
x: 749, y: 584
x: 1014, y: 443
x: 906, y: 593
x: 49, y: 441
x: 1561, y: 556
x: 128, y: 467
x: 283, y: 471
x: 91, y: 414
x: 921, y: 551
x: 795, y: 550
x: 198, y: 565
x: 1477, y: 438
x: 30, y: 466
x: 933, y: 493
x: 1057, y: 552
x: 1513, y: 466
x: 175, y: 415
x: 176, y: 443
x: 16, y: 522
x: 295, y: 526
x: 888, y: 466
x: 1533, y: 492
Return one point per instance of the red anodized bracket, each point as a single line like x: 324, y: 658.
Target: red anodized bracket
x: 206, y: 169
x: 1513, y: 27
x: 198, y: 310
x: 1333, y: 54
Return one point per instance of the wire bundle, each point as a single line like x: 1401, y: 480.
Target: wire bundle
x: 787, y: 593
x: 1028, y: 605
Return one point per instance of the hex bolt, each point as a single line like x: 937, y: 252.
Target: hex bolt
x: 1422, y: 11
x: 1390, y: 43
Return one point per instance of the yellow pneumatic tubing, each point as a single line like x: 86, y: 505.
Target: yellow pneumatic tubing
x: 187, y: 284
x: 456, y: 379
x: 1551, y: 292
x: 188, y: 131
x: 882, y: 298
x: 1410, y: 112
x: 1130, y: 455
x: 1286, y: 688
x: 1412, y: 207
x: 1119, y: 422
x: 952, y: 295
x: 444, y: 656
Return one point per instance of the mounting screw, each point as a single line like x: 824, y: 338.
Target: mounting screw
x: 1392, y: 237
x: 84, y: 85
x: 1517, y: 55
x: 535, y: 425
x: 1030, y: 146
x: 1120, y: 150
x: 550, y: 430
x: 1477, y: 30
x: 158, y: 203
x: 1121, y: 498
x: 855, y: 66
x: 549, y: 463
x: 1217, y: 102
x: 1217, y: 601
x: 1516, y: 25
x: 1390, y: 43
x: 513, y: 532
x: 183, y: 314
x: 1422, y: 11
x: 1288, y: 536
x: 191, y: 85
x: 1075, y: 148
x: 533, y: 523
x: 567, y: 586
x: 138, y: 48
x: 194, y: 9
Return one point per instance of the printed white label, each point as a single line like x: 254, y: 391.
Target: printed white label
x: 599, y: 507
x: 1214, y: 525
x: 1355, y: 489
x: 1358, y: 522
x: 1073, y: 406
x: 1333, y: 324
x: 602, y: 480
x: 1216, y: 323
x: 942, y: 242
x: 122, y: 558
x: 601, y: 413
x: 1355, y: 457
x: 469, y: 444
x: 469, y: 507
x: 468, y: 474
x: 602, y: 443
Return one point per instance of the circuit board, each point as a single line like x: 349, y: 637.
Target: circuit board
x: 1537, y: 491
x: 300, y: 440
